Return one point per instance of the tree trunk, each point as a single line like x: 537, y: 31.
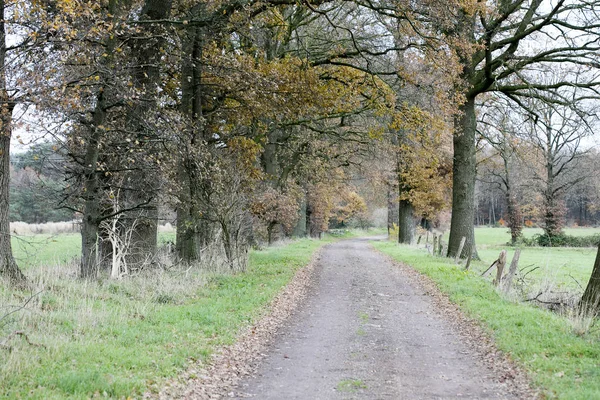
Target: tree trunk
x: 406, y: 222
x: 392, y: 207
x: 92, y: 212
x: 270, y: 228
x: 590, y: 301
x: 515, y: 219
x: 463, y: 181
x: 193, y: 229
x: 8, y: 265
x: 309, y: 224
x: 187, y: 245
x: 300, y: 228
x: 91, y: 196
x: 144, y: 182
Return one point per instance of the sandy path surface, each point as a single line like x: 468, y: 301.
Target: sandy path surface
x: 367, y: 330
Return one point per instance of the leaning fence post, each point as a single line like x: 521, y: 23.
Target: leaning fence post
x: 508, y: 279
x: 460, y: 249
x: 500, y: 265
x: 469, y: 261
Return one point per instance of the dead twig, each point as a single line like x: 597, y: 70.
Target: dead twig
x: 489, y: 268
x: 576, y: 281
x: 524, y: 275
x: 21, y: 307
x: 22, y: 334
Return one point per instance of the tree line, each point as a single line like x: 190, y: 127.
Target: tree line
x: 247, y: 116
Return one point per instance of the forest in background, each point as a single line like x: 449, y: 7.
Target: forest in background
x: 244, y: 121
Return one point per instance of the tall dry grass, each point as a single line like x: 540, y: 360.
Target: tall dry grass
x: 49, y: 228
x: 56, y: 228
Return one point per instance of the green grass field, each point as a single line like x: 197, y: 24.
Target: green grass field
x: 121, y: 338
x: 564, y: 268
x: 44, y: 250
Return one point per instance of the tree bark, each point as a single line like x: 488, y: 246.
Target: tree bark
x: 406, y: 222
x: 590, y: 302
x: 300, y: 228
x: 92, y: 211
x: 515, y: 220
x: 193, y: 230
x: 91, y: 196
x: 463, y: 181
x: 8, y: 266
x: 392, y: 207
x: 144, y: 182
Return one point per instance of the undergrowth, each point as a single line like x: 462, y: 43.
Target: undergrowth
x: 562, y: 240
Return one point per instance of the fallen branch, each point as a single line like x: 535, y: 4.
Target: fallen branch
x: 22, y: 334
x: 489, y: 268
x: 21, y: 307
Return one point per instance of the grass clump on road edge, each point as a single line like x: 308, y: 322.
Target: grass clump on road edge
x: 562, y: 364
x: 120, y: 338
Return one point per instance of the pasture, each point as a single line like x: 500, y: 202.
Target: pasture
x: 555, y: 268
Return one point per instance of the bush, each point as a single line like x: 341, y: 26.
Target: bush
x: 562, y: 240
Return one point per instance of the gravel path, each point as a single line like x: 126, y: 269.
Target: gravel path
x: 371, y: 329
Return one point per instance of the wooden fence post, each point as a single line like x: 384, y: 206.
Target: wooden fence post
x: 500, y: 265
x: 469, y: 261
x: 434, y: 244
x: 460, y: 249
x: 508, y: 279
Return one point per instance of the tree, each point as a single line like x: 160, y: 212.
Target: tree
x: 101, y: 88
x: 491, y: 41
x: 583, y: 200
x: 8, y: 101
x: 503, y: 166
x: 590, y: 301
x: 556, y: 133
x: 147, y: 48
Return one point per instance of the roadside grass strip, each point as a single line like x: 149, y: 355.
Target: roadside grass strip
x: 120, y: 338
x: 561, y: 363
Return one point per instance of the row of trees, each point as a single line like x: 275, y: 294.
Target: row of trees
x: 235, y: 111
x: 538, y: 171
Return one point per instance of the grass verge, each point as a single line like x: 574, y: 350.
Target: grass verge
x: 561, y: 363
x: 120, y: 338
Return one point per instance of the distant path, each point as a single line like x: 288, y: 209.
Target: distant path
x: 367, y: 331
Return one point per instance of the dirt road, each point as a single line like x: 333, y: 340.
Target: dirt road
x: 369, y: 331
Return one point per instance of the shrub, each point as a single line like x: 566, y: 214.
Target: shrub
x: 562, y: 240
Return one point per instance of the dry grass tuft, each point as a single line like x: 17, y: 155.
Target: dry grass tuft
x: 49, y: 228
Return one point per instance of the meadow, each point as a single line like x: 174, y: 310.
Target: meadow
x: 552, y: 268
